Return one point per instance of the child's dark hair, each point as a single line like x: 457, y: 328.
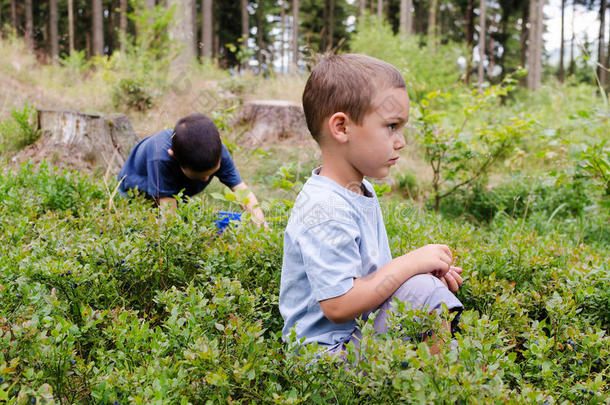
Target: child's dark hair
x: 196, y: 143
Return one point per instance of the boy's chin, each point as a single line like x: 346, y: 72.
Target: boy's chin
x: 378, y: 174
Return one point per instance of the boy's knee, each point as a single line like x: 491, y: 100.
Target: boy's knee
x: 426, y: 290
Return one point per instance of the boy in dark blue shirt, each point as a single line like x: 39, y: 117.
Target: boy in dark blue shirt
x: 183, y: 159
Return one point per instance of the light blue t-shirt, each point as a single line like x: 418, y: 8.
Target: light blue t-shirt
x: 333, y: 236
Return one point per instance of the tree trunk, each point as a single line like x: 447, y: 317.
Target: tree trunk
x: 572, y: 65
x: 361, y: 7
x: 283, y: 40
x: 181, y: 31
x: 123, y: 25
x: 469, y: 38
x: 14, y: 15
x: 406, y: 18
x: 150, y: 4
x: 432, y: 22
x: 331, y: 23
x: 601, y: 47
x: 245, y: 30
x: 295, y: 34
x: 53, y: 37
x: 272, y: 120
x: 71, y: 25
x: 607, y: 64
x: 259, y: 36
x: 534, y: 51
x: 380, y: 9
x: 561, y: 72
x: 206, y: 28
x: 482, y: 34
x: 29, y: 25
x: 78, y: 140
x: 97, y: 28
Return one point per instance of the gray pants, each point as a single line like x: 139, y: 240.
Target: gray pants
x: 422, y: 291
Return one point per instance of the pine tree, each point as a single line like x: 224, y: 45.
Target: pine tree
x: 97, y: 27
x: 53, y: 36
x: 29, y: 25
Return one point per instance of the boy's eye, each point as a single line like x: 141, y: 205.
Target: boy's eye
x: 393, y: 127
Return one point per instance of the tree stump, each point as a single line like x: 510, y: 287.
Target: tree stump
x: 273, y: 120
x: 81, y: 141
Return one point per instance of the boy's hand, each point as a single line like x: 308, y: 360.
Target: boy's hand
x: 452, y: 279
x: 435, y: 259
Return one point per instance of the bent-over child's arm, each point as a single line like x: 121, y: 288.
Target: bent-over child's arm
x: 370, y: 291
x: 252, y: 206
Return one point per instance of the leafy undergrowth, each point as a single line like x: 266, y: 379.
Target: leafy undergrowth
x: 109, y: 303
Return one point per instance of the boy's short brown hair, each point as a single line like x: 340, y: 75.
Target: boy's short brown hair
x: 345, y: 83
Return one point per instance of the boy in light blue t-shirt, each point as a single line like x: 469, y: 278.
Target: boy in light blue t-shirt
x: 337, y: 263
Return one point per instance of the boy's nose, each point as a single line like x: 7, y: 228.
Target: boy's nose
x: 400, y: 142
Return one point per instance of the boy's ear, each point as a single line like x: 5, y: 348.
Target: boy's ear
x: 170, y: 152
x: 337, y: 124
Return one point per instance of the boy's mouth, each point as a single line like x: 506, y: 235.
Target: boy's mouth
x: 394, y: 160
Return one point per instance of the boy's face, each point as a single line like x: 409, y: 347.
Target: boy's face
x: 203, y: 176
x: 373, y: 146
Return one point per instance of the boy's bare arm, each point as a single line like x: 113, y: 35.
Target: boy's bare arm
x: 370, y: 291
x: 257, y: 213
x: 168, y: 201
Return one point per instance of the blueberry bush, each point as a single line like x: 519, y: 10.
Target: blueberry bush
x: 109, y: 302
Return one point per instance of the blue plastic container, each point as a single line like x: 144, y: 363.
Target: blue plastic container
x: 225, y: 218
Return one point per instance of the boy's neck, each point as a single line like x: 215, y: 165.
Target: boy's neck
x: 341, y: 172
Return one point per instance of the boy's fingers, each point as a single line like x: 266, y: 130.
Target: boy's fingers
x: 458, y: 278
x: 458, y: 270
x: 451, y: 283
x: 444, y: 281
x: 447, y: 251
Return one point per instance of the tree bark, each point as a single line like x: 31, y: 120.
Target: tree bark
x: 607, y: 64
x: 29, y: 25
x: 245, y: 21
x: 331, y: 23
x: 534, y: 48
x: 406, y: 18
x: 601, y: 47
x: 432, y: 22
x: 561, y: 72
x: 271, y: 121
x: 206, y: 28
x: 361, y: 7
x: 150, y: 4
x: 181, y: 31
x: 482, y: 35
x: 71, y: 25
x: 123, y: 25
x: 259, y: 36
x: 380, y: 9
x: 469, y: 17
x: 97, y: 27
x: 572, y: 65
x: 283, y: 40
x: 53, y: 37
x: 295, y: 34
x: 245, y: 30
x: 14, y: 15
x: 78, y: 140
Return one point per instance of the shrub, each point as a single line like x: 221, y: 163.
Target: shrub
x: 20, y: 130
x: 114, y: 303
x: 133, y: 94
x: 521, y: 196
